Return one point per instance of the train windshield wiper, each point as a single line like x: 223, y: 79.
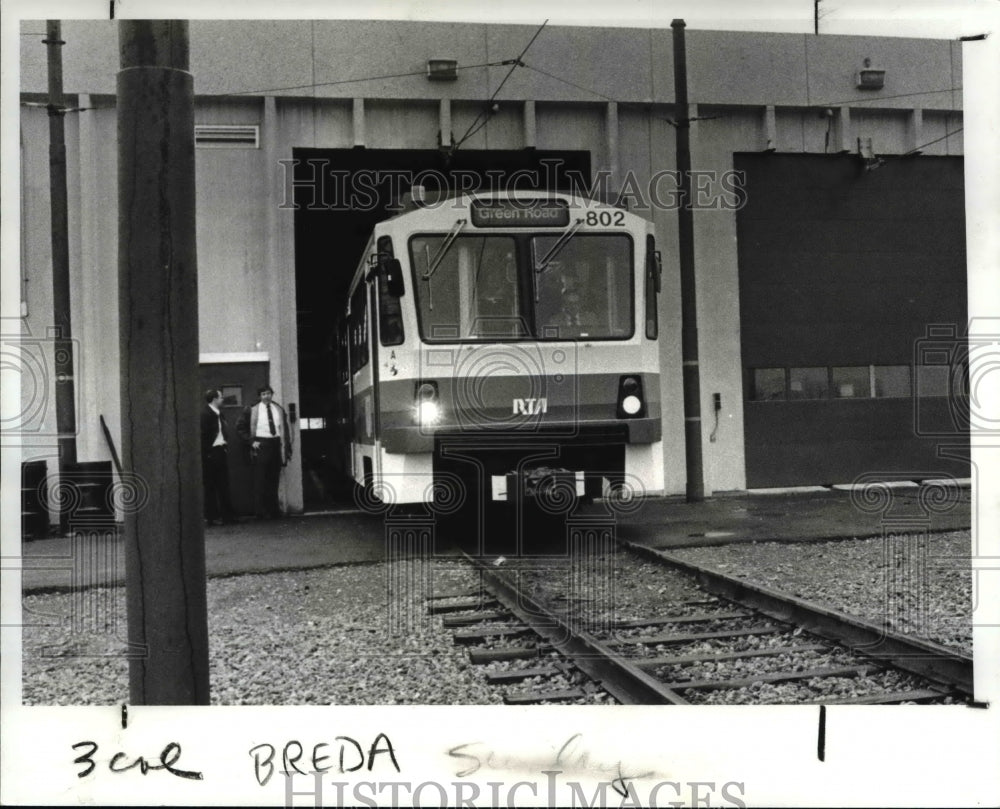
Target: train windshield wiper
x: 443, y: 249
x: 554, y: 251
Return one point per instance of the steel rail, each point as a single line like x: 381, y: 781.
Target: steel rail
x: 926, y: 659
x: 626, y: 682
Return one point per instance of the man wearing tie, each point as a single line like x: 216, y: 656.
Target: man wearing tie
x: 214, y: 462
x: 265, y: 428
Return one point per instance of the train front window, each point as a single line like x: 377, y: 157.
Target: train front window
x: 468, y: 289
x: 585, y: 290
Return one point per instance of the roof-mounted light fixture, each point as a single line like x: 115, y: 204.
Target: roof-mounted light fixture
x: 442, y: 69
x: 870, y: 78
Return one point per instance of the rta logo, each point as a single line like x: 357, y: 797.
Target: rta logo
x: 530, y: 407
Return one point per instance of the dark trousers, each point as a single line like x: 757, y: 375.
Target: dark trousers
x: 266, y: 472
x: 215, y: 472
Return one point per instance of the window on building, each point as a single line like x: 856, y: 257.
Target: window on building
x: 891, y: 381
x: 857, y: 382
x: 808, y: 383
x: 851, y: 382
x: 934, y: 380
x: 232, y: 395
x: 768, y: 384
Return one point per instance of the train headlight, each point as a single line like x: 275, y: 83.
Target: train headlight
x: 426, y: 406
x: 630, y: 399
x: 428, y: 413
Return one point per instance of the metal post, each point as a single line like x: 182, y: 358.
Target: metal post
x: 158, y: 311
x: 689, y: 302
x: 61, y: 315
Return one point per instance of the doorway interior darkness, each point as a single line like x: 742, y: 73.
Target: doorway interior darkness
x: 340, y: 194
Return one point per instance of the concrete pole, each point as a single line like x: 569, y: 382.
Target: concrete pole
x: 61, y: 312
x: 158, y: 304
x: 689, y: 300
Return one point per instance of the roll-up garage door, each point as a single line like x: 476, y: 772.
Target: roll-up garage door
x: 853, y: 315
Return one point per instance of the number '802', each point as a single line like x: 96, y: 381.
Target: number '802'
x: 606, y: 218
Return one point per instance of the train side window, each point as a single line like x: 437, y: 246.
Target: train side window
x: 343, y: 352
x: 357, y: 324
x: 652, y: 288
x: 390, y: 312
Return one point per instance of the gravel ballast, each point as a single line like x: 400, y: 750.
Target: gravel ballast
x: 322, y: 637
x: 314, y: 637
x: 920, y: 584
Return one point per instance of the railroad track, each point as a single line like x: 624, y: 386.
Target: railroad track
x: 522, y: 617
x: 947, y: 670
x: 725, y: 642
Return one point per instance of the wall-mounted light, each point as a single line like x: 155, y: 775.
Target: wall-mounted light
x: 442, y: 69
x: 870, y: 78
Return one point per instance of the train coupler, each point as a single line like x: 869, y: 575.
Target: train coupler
x: 541, y: 481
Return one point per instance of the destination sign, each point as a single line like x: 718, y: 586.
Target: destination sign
x: 520, y: 213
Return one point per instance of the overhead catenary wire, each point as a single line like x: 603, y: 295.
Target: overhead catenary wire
x: 673, y: 121
x: 946, y: 135
x: 357, y: 80
x: 488, y: 108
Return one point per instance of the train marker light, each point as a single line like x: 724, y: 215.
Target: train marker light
x: 630, y: 400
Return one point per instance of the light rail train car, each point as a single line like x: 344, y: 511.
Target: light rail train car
x: 501, y: 346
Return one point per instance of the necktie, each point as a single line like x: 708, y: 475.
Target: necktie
x: 222, y: 432
x: 270, y: 420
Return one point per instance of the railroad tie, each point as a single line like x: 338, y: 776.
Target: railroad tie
x: 534, y: 697
x: 678, y: 619
x: 654, y: 640
x: 468, y: 592
x: 480, y: 635
x: 452, y: 621
x: 516, y: 675
x: 918, y: 695
x: 714, y: 657
x: 480, y: 657
x: 461, y: 606
x: 778, y: 677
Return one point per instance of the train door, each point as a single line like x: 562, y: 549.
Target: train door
x: 343, y: 427
x: 239, y: 383
x: 363, y: 412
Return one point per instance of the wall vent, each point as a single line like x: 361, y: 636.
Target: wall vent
x: 223, y: 136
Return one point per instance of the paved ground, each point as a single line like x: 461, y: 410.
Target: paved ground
x: 316, y: 540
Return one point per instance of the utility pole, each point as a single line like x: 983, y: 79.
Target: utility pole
x: 689, y: 301
x: 816, y: 16
x: 61, y: 315
x: 158, y: 315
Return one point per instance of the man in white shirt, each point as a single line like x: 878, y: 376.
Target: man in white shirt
x: 265, y: 429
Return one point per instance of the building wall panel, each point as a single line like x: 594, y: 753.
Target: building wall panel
x: 941, y: 134
x: 235, y: 307
x: 399, y: 125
